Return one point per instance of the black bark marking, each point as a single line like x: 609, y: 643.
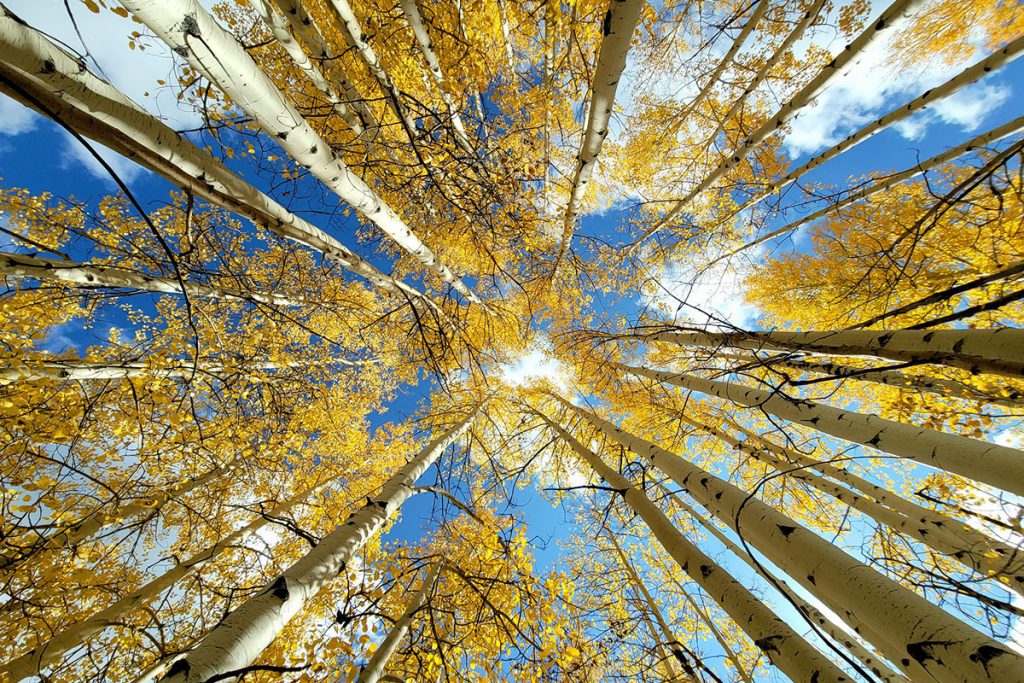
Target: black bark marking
x: 767, y: 644
x: 279, y: 589
x: 705, y: 571
x: 786, y: 530
x: 179, y: 667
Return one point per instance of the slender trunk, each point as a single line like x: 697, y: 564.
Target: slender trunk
x: 77, y: 532
x: 667, y: 637
x: 190, y: 31
x: 997, y: 351
x: 998, y: 466
x: 419, y: 30
x: 375, y: 667
x: 783, y: 646
x: 43, y: 76
x: 905, y: 625
x: 619, y: 25
x: 971, y: 74
x: 850, y: 55
x: 734, y: 48
x: 279, y: 28
x: 942, y: 540
x: 86, y: 275
x: 34, y: 370
x: 307, y: 32
x: 836, y: 633
x: 506, y: 33
x: 882, y: 183
x: 888, y: 377
x: 34, y: 661
x: 244, y: 633
x: 765, y: 71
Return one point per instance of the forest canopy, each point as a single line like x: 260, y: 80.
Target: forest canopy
x: 478, y: 340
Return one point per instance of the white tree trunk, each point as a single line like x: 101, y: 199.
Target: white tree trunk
x: 75, y: 533
x: 998, y: 466
x: 78, y: 633
x: 412, y: 15
x: 190, y: 31
x: 850, y: 55
x: 781, y: 644
x: 873, y: 663
x: 375, y: 667
x: 619, y: 25
x: 888, y: 377
x: 87, y: 276
x: 998, y: 351
x: 244, y: 633
x: 900, y: 623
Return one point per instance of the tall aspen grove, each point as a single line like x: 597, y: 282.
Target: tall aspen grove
x: 511, y: 340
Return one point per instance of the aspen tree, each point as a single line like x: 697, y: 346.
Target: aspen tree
x: 905, y: 626
x: 187, y: 27
x: 243, y: 634
x: 783, y: 646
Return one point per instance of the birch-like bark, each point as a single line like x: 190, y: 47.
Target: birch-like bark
x: 853, y: 644
x: 419, y: 30
x: 850, y: 55
x: 191, y: 32
x: 34, y: 370
x: 279, y: 28
x: 308, y: 33
x: 375, y: 667
x: 903, y: 625
x: 243, y: 634
x: 112, y: 513
x: 956, y: 533
x: 356, y: 40
x: 34, y: 661
x: 783, y: 646
x: 1009, y: 566
x: 971, y: 74
x: 998, y: 466
x: 619, y: 25
x: 654, y: 612
x: 734, y: 48
x: 86, y: 275
x: 998, y: 351
x: 41, y: 75
x: 780, y: 53
x: 506, y: 33
x: 883, y: 183
x: 888, y: 377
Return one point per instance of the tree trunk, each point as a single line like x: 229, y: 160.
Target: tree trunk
x: 41, y: 75
x: 786, y: 649
x: 375, y: 667
x: 190, y: 31
x: 85, y: 275
x: 998, y: 466
x: 619, y: 25
x: 243, y: 634
x: 32, y: 662
x: 888, y: 377
x: 873, y: 664
x: 906, y: 626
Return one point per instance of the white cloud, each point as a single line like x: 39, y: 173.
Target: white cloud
x: 535, y: 366
x: 968, y: 107
x: 716, y: 294
x: 16, y: 118
x: 875, y: 85
x: 74, y: 153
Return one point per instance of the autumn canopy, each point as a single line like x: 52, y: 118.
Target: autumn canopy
x: 482, y: 340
